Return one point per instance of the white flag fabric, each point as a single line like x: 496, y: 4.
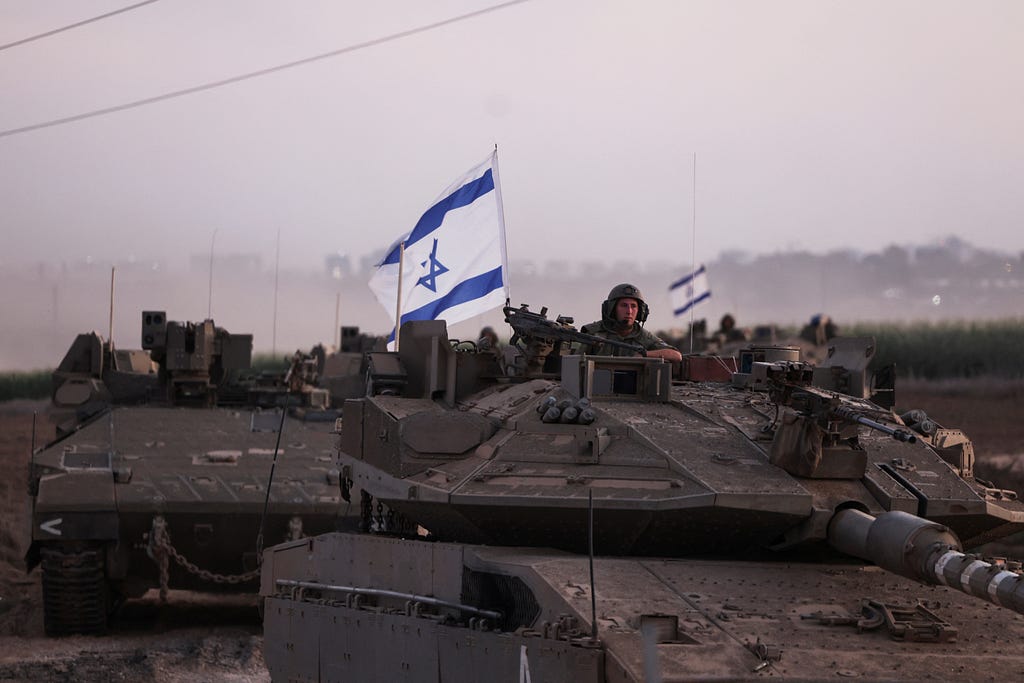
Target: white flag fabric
x: 690, y: 290
x: 454, y: 264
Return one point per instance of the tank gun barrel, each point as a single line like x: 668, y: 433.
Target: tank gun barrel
x: 925, y: 551
x: 851, y: 415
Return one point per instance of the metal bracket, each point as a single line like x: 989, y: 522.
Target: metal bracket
x: 917, y: 624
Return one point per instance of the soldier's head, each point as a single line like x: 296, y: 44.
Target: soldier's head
x: 727, y: 323
x: 624, y: 306
x: 488, y: 338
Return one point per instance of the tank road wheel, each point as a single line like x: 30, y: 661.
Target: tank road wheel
x: 76, y: 596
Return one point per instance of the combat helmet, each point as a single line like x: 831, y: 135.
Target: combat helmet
x: 624, y: 291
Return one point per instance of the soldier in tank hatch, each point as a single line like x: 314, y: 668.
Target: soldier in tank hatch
x: 623, y: 314
x: 727, y: 330
x: 819, y: 330
x: 488, y: 340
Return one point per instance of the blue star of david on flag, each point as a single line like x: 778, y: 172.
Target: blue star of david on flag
x: 436, y: 268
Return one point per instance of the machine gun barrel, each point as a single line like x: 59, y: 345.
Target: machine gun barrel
x: 526, y: 323
x: 851, y: 415
x: 924, y: 551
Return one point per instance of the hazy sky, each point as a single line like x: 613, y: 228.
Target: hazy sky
x: 815, y: 125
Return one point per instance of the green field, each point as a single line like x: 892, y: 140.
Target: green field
x: 35, y: 384
x: 266, y: 362
x: 949, y: 350
x: 928, y: 351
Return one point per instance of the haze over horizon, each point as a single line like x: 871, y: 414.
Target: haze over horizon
x: 296, y: 308
x: 815, y: 126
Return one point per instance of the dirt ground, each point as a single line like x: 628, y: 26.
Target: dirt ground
x: 197, y: 637
x: 989, y: 411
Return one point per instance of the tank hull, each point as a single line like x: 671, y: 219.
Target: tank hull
x: 709, y: 620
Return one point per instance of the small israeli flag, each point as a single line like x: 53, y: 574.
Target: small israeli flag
x: 690, y: 290
x: 454, y: 265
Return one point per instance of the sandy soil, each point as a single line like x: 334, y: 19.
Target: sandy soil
x: 196, y: 637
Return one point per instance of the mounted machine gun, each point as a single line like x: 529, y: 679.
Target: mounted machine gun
x: 540, y: 339
x: 817, y: 435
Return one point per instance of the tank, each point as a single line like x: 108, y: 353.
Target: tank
x: 544, y: 515
x: 173, y: 465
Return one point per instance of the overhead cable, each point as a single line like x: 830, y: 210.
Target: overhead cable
x: 75, y: 25
x: 256, y: 74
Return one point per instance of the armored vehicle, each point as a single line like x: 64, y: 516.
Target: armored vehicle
x: 170, y: 461
x: 553, y: 516
x: 343, y: 372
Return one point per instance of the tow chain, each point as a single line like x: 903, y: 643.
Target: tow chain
x: 161, y: 550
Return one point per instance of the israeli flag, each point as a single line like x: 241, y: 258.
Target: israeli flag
x: 690, y: 290
x: 454, y: 265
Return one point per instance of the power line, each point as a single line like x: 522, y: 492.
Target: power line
x: 261, y: 72
x: 74, y: 25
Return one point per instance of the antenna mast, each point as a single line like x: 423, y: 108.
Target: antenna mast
x: 110, y: 327
x: 337, y: 322
x: 209, y: 298
x: 693, y: 240
x: 110, y: 324
x: 590, y: 553
x: 277, y: 262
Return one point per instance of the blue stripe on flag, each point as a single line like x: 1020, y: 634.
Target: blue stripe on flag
x: 434, y: 216
x: 467, y: 290
x: 682, y: 281
x: 691, y: 304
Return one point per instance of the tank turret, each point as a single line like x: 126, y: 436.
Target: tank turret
x: 196, y: 359
x: 603, y: 518
x: 343, y: 371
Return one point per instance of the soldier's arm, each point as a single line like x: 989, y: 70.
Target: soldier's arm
x: 658, y: 348
x: 669, y: 354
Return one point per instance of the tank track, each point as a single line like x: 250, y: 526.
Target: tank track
x: 76, y: 595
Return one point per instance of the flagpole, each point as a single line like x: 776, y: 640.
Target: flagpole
x: 693, y: 242
x: 501, y: 224
x: 398, y: 298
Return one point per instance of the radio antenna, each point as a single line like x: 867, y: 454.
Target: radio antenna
x: 277, y: 262
x: 590, y: 552
x: 110, y: 327
x: 270, y: 481
x: 337, y: 321
x: 209, y: 297
x: 693, y: 240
